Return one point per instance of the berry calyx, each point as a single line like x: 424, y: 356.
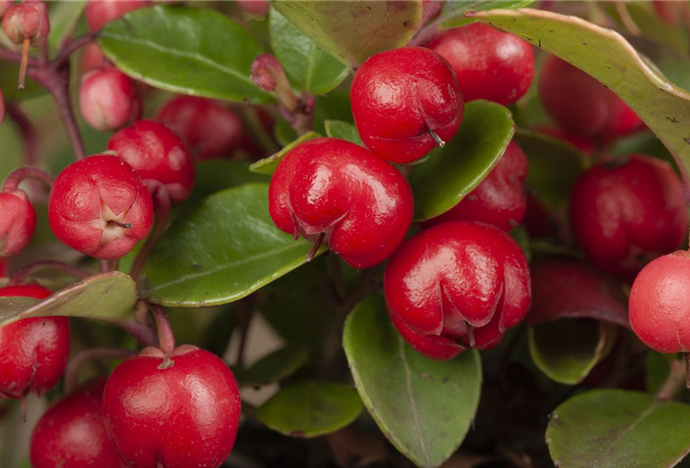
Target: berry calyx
x: 72, y: 433
x: 456, y: 285
x: 627, y: 212
x: 100, y: 207
x: 406, y: 102
x: 100, y: 12
x: 490, y: 64
x: 17, y: 223
x: 109, y: 99
x: 210, y: 129
x: 500, y: 198
x: 33, y: 351
x: 158, y: 155
x: 26, y: 23
x: 358, y: 203
x: 195, y: 400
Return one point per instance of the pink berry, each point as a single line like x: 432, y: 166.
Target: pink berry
x: 100, y: 207
x: 255, y: 7
x: 100, y: 12
x: 4, y: 6
x: 109, y: 99
x: 27, y: 20
x: 17, y: 222
x: 92, y: 58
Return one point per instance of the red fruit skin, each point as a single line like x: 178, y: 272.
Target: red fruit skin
x: 625, y: 215
x: 158, y: 155
x: 255, y: 7
x: 451, y: 275
x: 186, y: 416
x: 4, y: 6
x: 100, y: 12
x: 490, y: 64
x: 72, y: 433
x: 398, y: 95
x: 28, y: 19
x: 660, y: 306
x: 92, y: 58
x: 538, y: 221
x: 109, y: 99
x: 362, y: 203
x: 581, y: 105
x: 209, y: 129
x: 17, y: 222
x: 93, y: 194
x: 500, y: 198
x: 33, y: 351
x: 672, y: 12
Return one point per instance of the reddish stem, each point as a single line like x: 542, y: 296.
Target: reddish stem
x: 11, y: 56
x: 162, y: 206
x: 28, y: 132
x: 71, y: 47
x: 21, y: 275
x: 18, y: 175
x: 76, y: 363
x: 166, y: 339
x: 141, y: 332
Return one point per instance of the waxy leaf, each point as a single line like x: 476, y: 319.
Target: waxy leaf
x: 221, y: 251
x: 106, y: 296
x: 268, y: 165
x: 423, y: 406
x: 343, y: 130
x: 308, y: 67
x: 310, y: 409
x: 273, y: 367
x: 443, y: 179
x: 354, y: 30
x: 185, y: 50
x: 617, y: 428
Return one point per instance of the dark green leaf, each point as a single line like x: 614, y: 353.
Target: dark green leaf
x: 448, y: 174
x: 185, y: 50
x: 309, y: 409
x: 268, y: 165
x: 343, y: 130
x: 423, y: 406
x: 521, y: 236
x: 658, y: 367
x: 274, y: 367
x: 333, y: 106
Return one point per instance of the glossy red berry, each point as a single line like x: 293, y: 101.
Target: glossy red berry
x: 100, y: 207
x: 490, y: 64
x: 158, y: 155
x: 100, y: 12
x: 500, y: 199
x: 180, y: 416
x: 399, y: 96
x: 109, y: 99
x: 17, y: 222
x: 33, y: 351
x: 210, y: 129
x: 361, y: 203
x: 581, y: 105
x: 27, y: 20
x: 660, y: 306
x: 458, y: 284
x: 72, y: 433
x: 255, y: 7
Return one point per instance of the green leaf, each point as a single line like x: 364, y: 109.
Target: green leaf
x: 185, y: 50
x: 567, y: 350
x: 453, y: 15
x: 423, y: 406
x: 354, y: 30
x: 310, y: 409
x: 616, y: 429
x: 107, y: 296
x: 274, y: 367
x: 448, y: 174
x: 221, y: 251
x: 268, y: 165
x: 606, y: 56
x: 309, y: 68
x: 343, y: 130
x: 64, y: 17
x: 658, y: 367
x: 521, y: 236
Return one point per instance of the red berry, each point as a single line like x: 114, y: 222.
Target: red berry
x: 537, y: 220
x: 109, y: 99
x: 33, y: 351
x: 100, y: 12
x: 490, y: 64
x: 158, y: 155
x: 500, y: 199
x: 362, y: 204
x: 182, y: 416
x: 625, y: 215
x: 27, y: 20
x: 17, y: 222
x: 399, y: 96
x: 581, y: 105
x: 210, y: 129
x: 92, y: 58
x: 100, y: 207
x: 72, y: 433
x: 4, y: 6
x: 255, y: 7
x: 458, y: 284
x: 673, y: 13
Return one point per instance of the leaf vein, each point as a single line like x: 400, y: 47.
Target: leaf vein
x: 415, y: 416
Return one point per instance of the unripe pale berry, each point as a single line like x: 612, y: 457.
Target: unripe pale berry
x: 92, y: 58
x: 210, y: 129
x: 33, y: 351
x: 184, y: 415
x: 456, y: 285
x: 490, y: 64
x: 109, y: 99
x: 4, y: 6
x: 255, y: 7
x: 362, y: 204
x: 17, y: 222
x: 400, y: 97
x: 158, y: 155
x: 27, y: 20
x: 100, y: 12
x: 100, y: 207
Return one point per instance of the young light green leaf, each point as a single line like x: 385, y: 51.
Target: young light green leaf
x: 268, y: 165
x: 343, y: 130
x: 274, y: 367
x: 64, y: 17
